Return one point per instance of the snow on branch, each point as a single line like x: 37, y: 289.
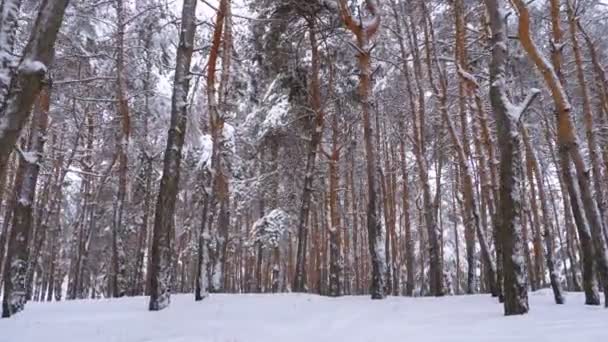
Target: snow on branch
x: 269, y: 229
x: 204, y: 161
x: 517, y: 112
x: 29, y: 157
x: 32, y: 67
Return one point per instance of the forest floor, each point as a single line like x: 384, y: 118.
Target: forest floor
x: 307, y: 318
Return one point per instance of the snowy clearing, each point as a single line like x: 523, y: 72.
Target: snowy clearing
x: 306, y: 318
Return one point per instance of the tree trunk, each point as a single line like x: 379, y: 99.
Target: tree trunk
x: 568, y: 210
x: 539, y: 272
x: 602, y: 103
x: 118, y: 271
x: 364, y: 32
x: 17, y: 259
x: 162, y: 241
x: 336, y: 259
x: 29, y: 76
x: 515, y: 282
x: 548, y: 225
x: 300, y: 280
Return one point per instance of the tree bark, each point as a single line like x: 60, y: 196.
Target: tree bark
x: 118, y: 272
x: 515, y: 282
x: 336, y: 259
x: 300, y: 277
x: 364, y: 33
x: 17, y: 259
x: 547, y: 222
x: 28, y: 78
x: 162, y: 240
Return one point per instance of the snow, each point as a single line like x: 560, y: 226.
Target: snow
x: 206, y: 150
x: 270, y: 228
x: 32, y: 67
x: 30, y: 157
x: 305, y: 318
x: 275, y: 117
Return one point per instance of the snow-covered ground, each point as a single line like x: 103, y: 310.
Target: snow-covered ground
x: 307, y: 318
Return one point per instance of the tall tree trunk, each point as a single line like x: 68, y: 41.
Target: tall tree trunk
x: 8, y: 211
x: 118, y: 271
x: 486, y: 198
x: 336, y: 259
x: 568, y: 213
x: 220, y: 191
x: 515, y: 282
x: 300, y: 277
x: 364, y: 32
x: 547, y: 222
x: 409, y: 243
x: 429, y: 205
x: 29, y: 76
x: 17, y: 259
x: 538, y: 270
x: 200, y: 287
x: 162, y: 241
x: 355, y: 219
x: 602, y: 103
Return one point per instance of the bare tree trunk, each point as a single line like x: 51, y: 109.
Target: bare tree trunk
x: 429, y: 208
x: 486, y: 198
x: 118, y: 268
x: 355, y: 219
x: 409, y: 243
x: 162, y: 244
x: 28, y: 78
x: 17, y: 259
x: 300, y: 280
x: 364, y: 32
x: 336, y: 258
x: 602, y: 104
x: 8, y: 211
x: 515, y: 282
x: 568, y: 213
x: 547, y: 222
x: 537, y: 266
x: 200, y: 287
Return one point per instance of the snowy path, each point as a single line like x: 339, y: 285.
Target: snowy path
x: 307, y: 318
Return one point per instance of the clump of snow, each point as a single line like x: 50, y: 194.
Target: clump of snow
x: 275, y: 116
x: 29, y: 66
x: 269, y: 229
x: 204, y: 160
x: 30, y: 157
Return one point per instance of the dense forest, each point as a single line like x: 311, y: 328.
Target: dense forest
x: 336, y: 147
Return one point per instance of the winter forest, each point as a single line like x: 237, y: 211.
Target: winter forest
x: 385, y: 148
